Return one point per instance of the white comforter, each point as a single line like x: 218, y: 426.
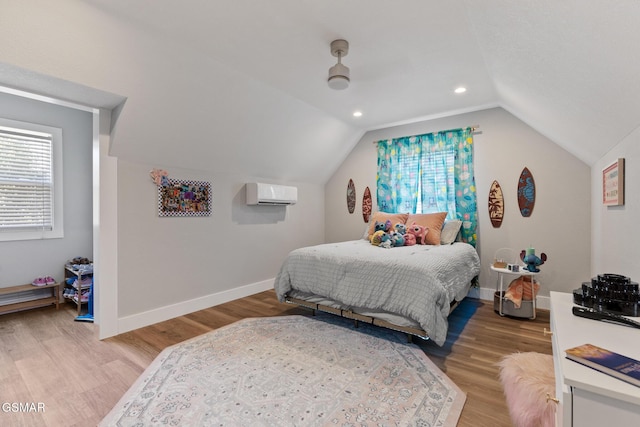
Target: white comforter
x: 417, y: 282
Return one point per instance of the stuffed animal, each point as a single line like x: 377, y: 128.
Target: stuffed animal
x: 400, y: 228
x: 386, y: 243
x: 379, y: 226
x: 419, y: 231
x: 409, y: 239
x: 532, y: 261
x: 397, y: 239
x: 376, y: 238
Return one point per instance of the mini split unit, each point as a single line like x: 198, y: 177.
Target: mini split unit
x: 270, y: 194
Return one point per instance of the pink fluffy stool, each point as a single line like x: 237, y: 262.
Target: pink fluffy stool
x: 528, y: 379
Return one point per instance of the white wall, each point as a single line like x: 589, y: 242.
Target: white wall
x: 616, y: 233
x: 22, y: 261
x: 196, y: 118
x: 183, y: 108
x: 165, y: 260
x: 504, y: 145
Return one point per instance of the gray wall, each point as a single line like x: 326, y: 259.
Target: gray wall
x: 22, y: 261
x: 560, y: 223
x: 616, y: 233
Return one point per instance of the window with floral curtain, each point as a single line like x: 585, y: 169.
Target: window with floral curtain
x: 430, y: 173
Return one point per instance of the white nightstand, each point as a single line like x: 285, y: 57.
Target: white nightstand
x: 500, y: 289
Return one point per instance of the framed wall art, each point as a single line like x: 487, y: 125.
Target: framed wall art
x: 184, y: 198
x: 613, y: 184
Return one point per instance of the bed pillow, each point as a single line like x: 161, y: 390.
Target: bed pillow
x: 450, y: 231
x: 365, y: 236
x: 432, y: 221
x: 383, y: 217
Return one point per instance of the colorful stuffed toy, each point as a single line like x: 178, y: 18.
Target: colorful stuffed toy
x: 532, y: 261
x: 400, y: 228
x: 419, y: 231
x: 409, y: 239
x: 376, y: 238
x: 397, y: 239
x: 382, y: 239
x: 379, y: 226
x: 386, y: 241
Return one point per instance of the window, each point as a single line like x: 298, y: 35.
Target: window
x: 30, y: 181
x: 436, y: 188
x: 430, y: 173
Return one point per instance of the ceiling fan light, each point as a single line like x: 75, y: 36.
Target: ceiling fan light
x: 339, y: 77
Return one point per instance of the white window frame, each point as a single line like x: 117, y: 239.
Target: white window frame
x: 57, y: 230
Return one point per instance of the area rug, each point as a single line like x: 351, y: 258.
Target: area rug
x: 291, y: 371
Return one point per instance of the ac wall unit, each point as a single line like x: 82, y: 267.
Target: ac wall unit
x: 270, y: 194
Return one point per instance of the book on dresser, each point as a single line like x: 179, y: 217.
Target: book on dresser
x: 606, y: 361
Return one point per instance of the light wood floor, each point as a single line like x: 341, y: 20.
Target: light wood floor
x: 46, y: 357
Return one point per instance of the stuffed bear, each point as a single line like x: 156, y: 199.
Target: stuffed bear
x: 419, y: 231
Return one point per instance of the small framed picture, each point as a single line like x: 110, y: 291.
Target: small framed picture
x: 184, y: 198
x: 613, y: 184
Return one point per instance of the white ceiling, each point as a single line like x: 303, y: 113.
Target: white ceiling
x: 568, y: 68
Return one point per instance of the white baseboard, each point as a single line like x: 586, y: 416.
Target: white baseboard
x: 135, y: 321
x: 139, y: 320
x: 486, y: 294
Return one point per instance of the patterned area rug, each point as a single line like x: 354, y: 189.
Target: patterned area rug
x: 291, y: 371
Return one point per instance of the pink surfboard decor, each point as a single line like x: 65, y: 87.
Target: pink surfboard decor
x: 366, y: 205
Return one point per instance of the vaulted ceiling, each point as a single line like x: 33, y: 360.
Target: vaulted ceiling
x: 568, y: 68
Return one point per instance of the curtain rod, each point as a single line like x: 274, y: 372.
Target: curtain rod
x: 473, y: 129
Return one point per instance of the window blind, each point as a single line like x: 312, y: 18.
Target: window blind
x: 26, y: 180
x: 436, y: 186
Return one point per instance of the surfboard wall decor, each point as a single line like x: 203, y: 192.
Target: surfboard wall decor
x: 496, y: 204
x: 351, y: 196
x: 366, y: 205
x: 526, y: 193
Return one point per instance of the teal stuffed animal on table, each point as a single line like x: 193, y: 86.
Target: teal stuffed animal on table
x: 531, y: 260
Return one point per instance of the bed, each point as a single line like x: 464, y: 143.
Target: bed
x: 407, y: 288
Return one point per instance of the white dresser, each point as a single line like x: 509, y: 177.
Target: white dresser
x: 588, y: 397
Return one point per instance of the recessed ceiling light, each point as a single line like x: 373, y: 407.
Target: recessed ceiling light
x: 460, y: 90
x: 357, y: 114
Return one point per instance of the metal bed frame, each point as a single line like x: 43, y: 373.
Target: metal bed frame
x: 348, y: 314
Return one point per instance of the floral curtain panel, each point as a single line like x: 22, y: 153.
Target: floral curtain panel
x: 430, y: 173
x: 398, y: 172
